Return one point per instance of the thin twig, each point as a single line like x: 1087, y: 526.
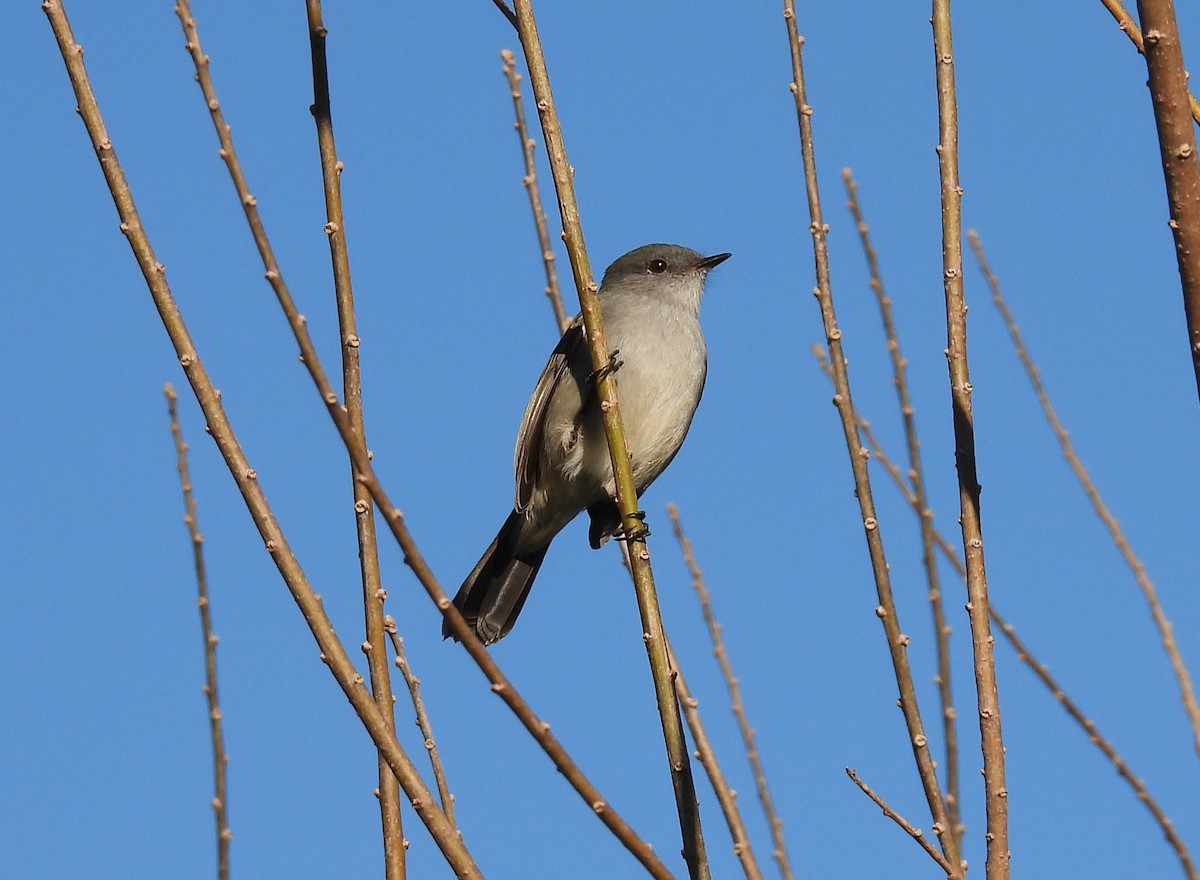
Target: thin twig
x: 154, y: 272
x: 220, y: 801
x: 893, y: 469
x: 631, y: 518
x: 1126, y: 23
x: 374, y: 645
x: 389, y: 794
x: 528, y: 144
x: 562, y: 321
x: 941, y: 629
x: 982, y: 643
x: 1139, y: 788
x: 896, y: 639
x: 422, y: 717
x: 915, y: 833
x: 726, y: 796
x: 333, y: 651
x: 735, y: 695
x: 1161, y: 621
x: 507, y: 13
x: 1177, y: 147
x: 1023, y: 653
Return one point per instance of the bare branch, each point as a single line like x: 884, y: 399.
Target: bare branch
x: 707, y: 757
x: 1161, y: 621
x: 422, y: 717
x: 886, y: 610
x: 632, y: 519
x: 941, y: 629
x: 1143, y: 795
x: 561, y: 318
x: 507, y: 13
x: 735, y: 694
x: 220, y: 801
x: 1177, y: 146
x: 388, y: 787
x: 982, y: 643
x: 1126, y: 23
x: 364, y: 514
x: 914, y: 832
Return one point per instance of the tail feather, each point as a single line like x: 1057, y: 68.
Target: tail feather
x: 495, y: 591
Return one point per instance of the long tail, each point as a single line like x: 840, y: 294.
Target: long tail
x: 494, y: 592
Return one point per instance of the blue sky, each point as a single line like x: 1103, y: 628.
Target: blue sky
x: 681, y: 128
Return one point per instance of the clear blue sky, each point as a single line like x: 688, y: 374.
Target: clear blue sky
x: 681, y: 128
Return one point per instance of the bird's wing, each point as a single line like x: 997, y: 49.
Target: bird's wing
x: 527, y: 460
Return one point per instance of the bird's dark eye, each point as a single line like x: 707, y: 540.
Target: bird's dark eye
x: 658, y: 266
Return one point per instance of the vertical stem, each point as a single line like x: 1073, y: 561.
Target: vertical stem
x: 364, y: 513
x: 982, y: 642
x: 632, y: 519
x: 726, y: 796
x: 916, y: 473
x: 220, y: 801
x: 528, y: 144
x: 1177, y: 145
x: 886, y: 610
x: 736, y: 705
x: 422, y: 717
x: 1187, y: 692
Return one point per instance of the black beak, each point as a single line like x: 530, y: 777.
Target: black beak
x: 715, y: 260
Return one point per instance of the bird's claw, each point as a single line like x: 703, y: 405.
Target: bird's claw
x: 608, y: 369
x: 640, y: 532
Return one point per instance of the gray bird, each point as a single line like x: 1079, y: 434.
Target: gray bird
x: 650, y: 299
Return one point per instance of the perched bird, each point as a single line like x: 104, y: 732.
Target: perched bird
x: 650, y: 300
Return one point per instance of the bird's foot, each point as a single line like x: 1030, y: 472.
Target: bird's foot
x: 608, y: 369
x: 638, y: 533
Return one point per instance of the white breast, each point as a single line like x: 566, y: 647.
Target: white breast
x: 658, y: 385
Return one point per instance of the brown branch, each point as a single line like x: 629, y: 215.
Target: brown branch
x: 1161, y: 621
x: 364, y: 514
x: 632, y: 519
x: 880, y: 455
x: 726, y: 796
x: 332, y: 650
x: 893, y: 470
x: 1177, y: 146
x: 220, y: 801
x: 1023, y: 653
x: 1139, y: 788
x: 982, y: 643
x: 501, y: 686
x: 914, y: 832
x: 507, y: 13
x: 941, y: 629
x: 246, y: 479
x: 528, y: 144
x: 1126, y: 23
x: 735, y: 694
x: 896, y: 639
x: 388, y: 790
x: 422, y: 717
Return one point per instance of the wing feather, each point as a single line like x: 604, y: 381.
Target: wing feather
x: 527, y: 458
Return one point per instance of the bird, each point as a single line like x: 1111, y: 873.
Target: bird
x: 650, y: 302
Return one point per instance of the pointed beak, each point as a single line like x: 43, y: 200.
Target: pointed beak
x: 715, y: 260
